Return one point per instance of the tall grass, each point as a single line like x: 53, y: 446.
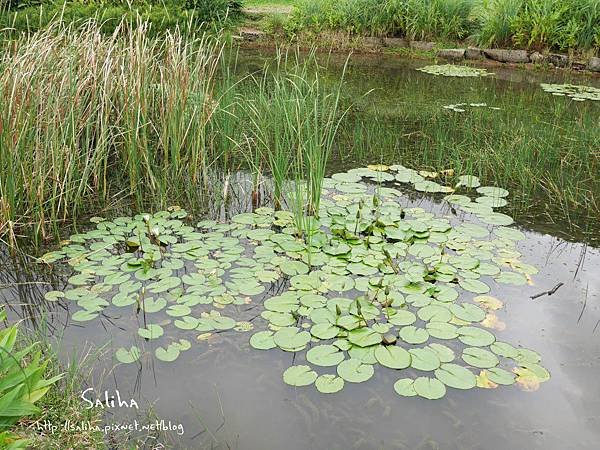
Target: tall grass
x: 535, y: 24
x: 80, y: 111
x: 293, y: 121
x: 417, y: 19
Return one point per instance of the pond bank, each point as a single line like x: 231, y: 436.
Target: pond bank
x: 342, y: 42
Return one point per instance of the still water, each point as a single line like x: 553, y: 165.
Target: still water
x: 223, y: 394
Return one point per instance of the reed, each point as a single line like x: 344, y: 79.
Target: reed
x: 82, y: 111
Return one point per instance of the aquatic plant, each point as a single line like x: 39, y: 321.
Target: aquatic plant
x: 22, y: 383
x: 451, y: 70
x: 573, y: 91
x: 83, y: 110
x: 377, y: 284
x: 462, y: 107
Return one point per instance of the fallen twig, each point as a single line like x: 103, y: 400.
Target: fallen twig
x: 550, y: 292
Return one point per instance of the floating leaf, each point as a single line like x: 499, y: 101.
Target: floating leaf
x: 500, y: 376
x: 405, y: 387
x: 414, y: 335
x: 478, y: 357
x: 429, y: 388
x: 355, y: 371
x: 329, y: 384
x: 128, y: 356
x: 424, y: 359
x: 151, y: 331
x: 392, y: 356
x: 291, y: 339
x: 364, y: 337
x: 475, y: 286
x: 53, y: 296
x: 263, y: 340
x: 489, y: 302
x: 325, y: 355
x: 451, y: 70
x: 300, y: 375
x: 475, y: 337
x: 455, y: 376
x: 169, y: 354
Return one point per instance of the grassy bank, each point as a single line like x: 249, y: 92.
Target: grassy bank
x: 565, y: 25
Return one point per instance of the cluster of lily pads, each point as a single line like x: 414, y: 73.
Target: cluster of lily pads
x: 371, y: 283
x: 573, y: 91
x: 452, y: 70
x: 462, y: 107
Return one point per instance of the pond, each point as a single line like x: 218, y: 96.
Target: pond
x: 395, y: 249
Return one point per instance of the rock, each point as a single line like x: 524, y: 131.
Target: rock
x: 594, y: 64
x: 558, y: 60
x: 578, y: 64
x: 371, y: 42
x: 251, y: 35
x: 507, y: 56
x: 422, y: 46
x: 451, y: 53
x: 473, y: 53
x: 389, y: 339
x: 395, y: 42
x: 537, y: 58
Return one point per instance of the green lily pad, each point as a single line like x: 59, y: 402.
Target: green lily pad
x: 429, y: 388
x: 478, y: 357
x: 424, y: 359
x: 355, y: 371
x: 475, y: 337
x: 300, y: 375
x: 151, y: 331
x: 128, y: 356
x: 501, y: 376
x: 364, y: 337
x: 414, y: 335
x: 329, y: 384
x: 476, y: 286
x: 263, y: 340
x: 291, y: 339
x: 405, y: 387
x: 455, y: 376
x: 169, y: 354
x: 392, y: 356
x: 325, y: 355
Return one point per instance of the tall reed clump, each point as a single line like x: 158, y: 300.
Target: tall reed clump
x: 84, y: 115
x: 293, y: 121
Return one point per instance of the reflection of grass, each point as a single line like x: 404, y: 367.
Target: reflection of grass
x: 540, y: 147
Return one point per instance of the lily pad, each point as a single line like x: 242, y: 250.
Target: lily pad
x: 329, y: 384
x: 355, y: 371
x: 429, y: 388
x: 300, y: 375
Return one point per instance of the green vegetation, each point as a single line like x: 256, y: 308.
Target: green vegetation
x: 404, y: 263
x: 160, y: 15
x: 22, y: 383
x: 535, y: 24
x: 95, y: 120
x: 33, y: 390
